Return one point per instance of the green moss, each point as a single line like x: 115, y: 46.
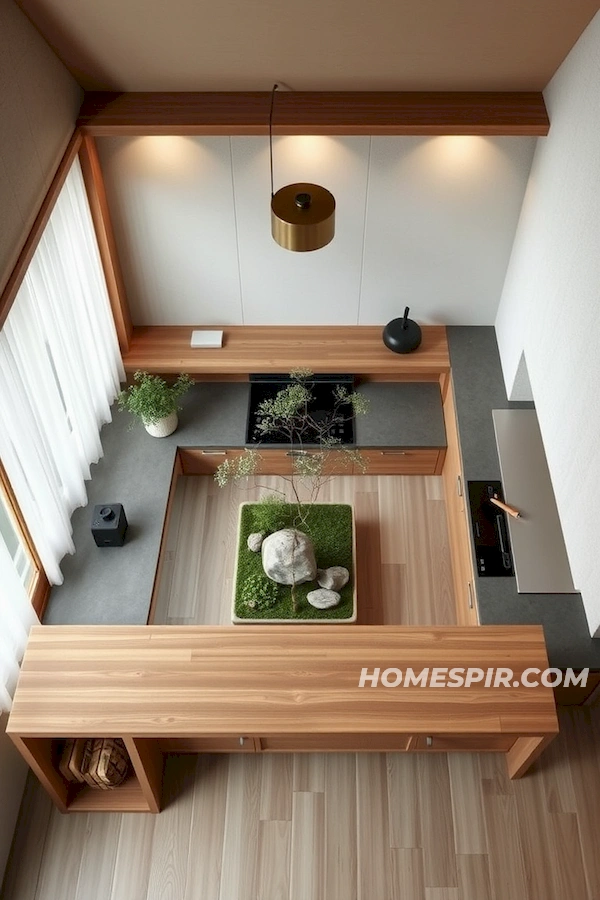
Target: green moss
x: 330, y: 527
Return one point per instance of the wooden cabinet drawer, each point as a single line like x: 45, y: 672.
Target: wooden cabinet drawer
x: 349, y: 743
x: 457, y: 514
x: 199, y: 461
x: 380, y: 461
x: 474, y: 743
x: 215, y: 744
x: 196, y: 461
x: 280, y: 462
x: 402, y: 461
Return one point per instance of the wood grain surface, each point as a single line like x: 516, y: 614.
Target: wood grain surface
x: 278, y: 348
x: 457, y: 511
x: 315, y: 112
x: 167, y: 681
x: 107, y: 244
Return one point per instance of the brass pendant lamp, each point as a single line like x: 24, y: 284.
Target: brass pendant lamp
x: 302, y: 214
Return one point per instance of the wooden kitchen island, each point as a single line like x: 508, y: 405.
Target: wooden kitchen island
x: 255, y: 689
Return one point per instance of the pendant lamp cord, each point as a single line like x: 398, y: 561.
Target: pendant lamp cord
x: 275, y: 86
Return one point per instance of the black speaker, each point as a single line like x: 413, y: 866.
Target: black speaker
x: 109, y: 525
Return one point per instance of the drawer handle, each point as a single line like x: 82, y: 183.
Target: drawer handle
x: 214, y: 453
x: 429, y: 741
x: 242, y: 739
x: 297, y: 453
x: 470, y: 586
x: 393, y: 452
x: 459, y: 487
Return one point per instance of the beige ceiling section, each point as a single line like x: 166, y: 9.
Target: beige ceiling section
x: 185, y: 45
x: 38, y: 109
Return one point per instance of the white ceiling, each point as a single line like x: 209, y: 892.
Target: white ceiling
x: 187, y: 45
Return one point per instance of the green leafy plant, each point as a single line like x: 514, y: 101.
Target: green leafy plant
x: 240, y: 467
x: 150, y: 398
x: 259, y: 592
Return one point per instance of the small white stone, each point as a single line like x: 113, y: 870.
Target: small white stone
x: 334, y: 578
x: 255, y: 541
x: 323, y: 599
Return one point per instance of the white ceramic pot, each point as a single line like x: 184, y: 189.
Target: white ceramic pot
x: 164, y: 427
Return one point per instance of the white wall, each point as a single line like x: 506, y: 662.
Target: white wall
x: 550, y: 307
x: 39, y: 102
x: 424, y: 222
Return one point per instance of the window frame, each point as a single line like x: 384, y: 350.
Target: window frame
x: 39, y: 589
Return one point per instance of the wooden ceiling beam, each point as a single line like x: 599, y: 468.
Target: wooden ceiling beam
x: 314, y: 112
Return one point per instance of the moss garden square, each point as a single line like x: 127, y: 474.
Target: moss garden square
x: 258, y: 598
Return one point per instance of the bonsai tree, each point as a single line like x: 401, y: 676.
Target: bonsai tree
x: 151, y: 399
x: 288, y: 413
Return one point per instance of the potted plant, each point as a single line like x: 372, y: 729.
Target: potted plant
x: 153, y: 401
x: 306, y: 545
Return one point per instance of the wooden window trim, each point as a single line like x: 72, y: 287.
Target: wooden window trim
x: 39, y: 589
x: 85, y: 149
x: 107, y: 244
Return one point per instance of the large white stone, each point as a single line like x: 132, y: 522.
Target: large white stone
x: 323, y: 599
x: 288, y: 557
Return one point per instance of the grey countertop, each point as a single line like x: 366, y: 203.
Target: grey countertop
x: 401, y: 415
x: 113, y: 585
x: 479, y: 388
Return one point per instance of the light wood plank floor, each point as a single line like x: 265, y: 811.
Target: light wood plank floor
x: 403, y: 565
x: 334, y: 827
x: 330, y: 826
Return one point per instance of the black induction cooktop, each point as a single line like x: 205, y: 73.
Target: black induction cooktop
x: 490, y: 530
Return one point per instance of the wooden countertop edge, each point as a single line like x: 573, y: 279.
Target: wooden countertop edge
x: 547, y: 726
x: 169, y: 631
x: 273, y: 348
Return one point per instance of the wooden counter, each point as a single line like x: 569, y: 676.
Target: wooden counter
x: 358, y: 349
x: 267, y: 688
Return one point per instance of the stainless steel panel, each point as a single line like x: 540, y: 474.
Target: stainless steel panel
x: 539, y: 552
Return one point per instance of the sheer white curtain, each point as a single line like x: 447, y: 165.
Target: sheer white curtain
x: 16, y: 618
x: 60, y: 369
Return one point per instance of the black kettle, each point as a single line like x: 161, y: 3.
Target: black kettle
x: 402, y: 335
